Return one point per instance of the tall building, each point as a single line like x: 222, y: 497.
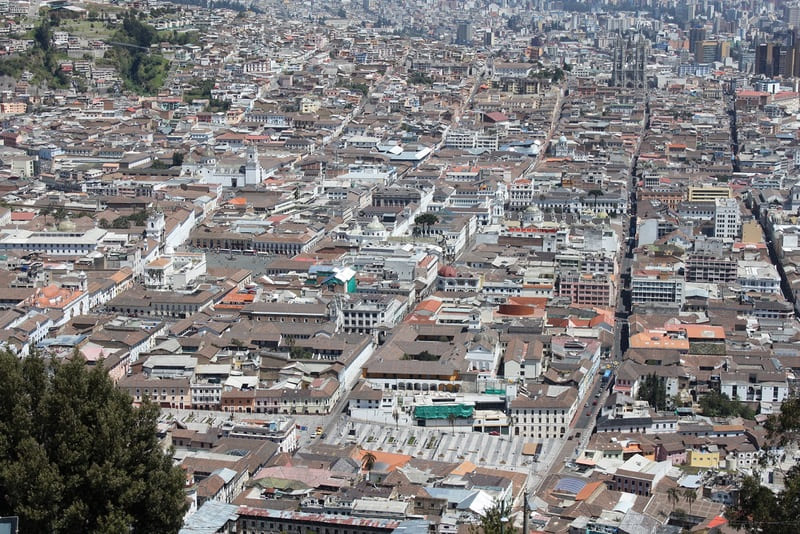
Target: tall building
x: 727, y: 218
x: 464, y: 33
x: 696, y: 35
x: 791, y: 14
x: 706, y: 51
x: 780, y: 57
x: 630, y: 63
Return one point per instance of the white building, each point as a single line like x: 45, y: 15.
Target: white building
x: 55, y: 243
x: 365, y: 315
x: 755, y: 387
x: 545, y: 413
x: 177, y: 271
x: 657, y: 287
x: 758, y: 276
x: 727, y: 218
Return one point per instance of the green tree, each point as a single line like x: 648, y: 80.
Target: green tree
x: 496, y: 520
x: 368, y: 461
x: 654, y: 390
x: 425, y: 221
x: 76, y: 456
x: 177, y: 159
x: 419, y: 78
x: 60, y: 214
x: 121, y: 222
x: 44, y: 212
x: 784, y: 428
x: 595, y: 193
x: 716, y: 404
x: 760, y: 510
x: 689, y: 495
x: 673, y: 496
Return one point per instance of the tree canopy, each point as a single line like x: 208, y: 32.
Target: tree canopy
x: 496, y: 520
x: 654, y: 391
x: 76, y: 456
x: 758, y: 509
x: 716, y: 404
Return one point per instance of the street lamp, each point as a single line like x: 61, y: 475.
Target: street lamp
x: 503, y: 521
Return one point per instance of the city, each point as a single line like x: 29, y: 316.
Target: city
x: 431, y: 266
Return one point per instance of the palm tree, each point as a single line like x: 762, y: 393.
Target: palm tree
x: 426, y: 220
x: 673, y: 496
x: 689, y: 495
x: 368, y: 461
x: 595, y: 193
x: 44, y: 212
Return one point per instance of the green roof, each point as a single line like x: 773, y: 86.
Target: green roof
x: 442, y: 412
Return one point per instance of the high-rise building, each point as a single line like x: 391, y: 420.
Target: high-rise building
x: 696, y: 35
x: 706, y: 51
x: 791, y: 15
x: 727, y: 218
x: 464, y: 33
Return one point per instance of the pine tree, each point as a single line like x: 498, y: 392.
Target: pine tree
x: 76, y: 456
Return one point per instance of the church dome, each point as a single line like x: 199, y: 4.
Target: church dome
x: 448, y: 271
x: 375, y: 225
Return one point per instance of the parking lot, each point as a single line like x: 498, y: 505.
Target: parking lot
x: 443, y: 444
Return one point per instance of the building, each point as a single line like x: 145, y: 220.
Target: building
x: 654, y: 287
x: 710, y: 269
x: 545, y: 413
x: 55, y: 243
x: 164, y: 392
x: 587, y: 289
x: 629, y: 63
x: 367, y: 314
x: 755, y: 386
x: 464, y: 33
x: 639, y: 476
x: 708, y: 193
x: 758, y: 276
x: 707, y: 457
x: 727, y: 218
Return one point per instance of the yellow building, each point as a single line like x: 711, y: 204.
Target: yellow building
x: 708, y: 193
x: 702, y: 458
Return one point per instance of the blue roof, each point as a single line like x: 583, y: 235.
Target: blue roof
x: 63, y: 340
x: 210, y: 518
x: 570, y: 485
x: 453, y: 495
x: 413, y: 526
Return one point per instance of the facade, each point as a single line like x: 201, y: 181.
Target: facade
x: 588, y: 289
x: 758, y: 276
x: 165, y: 392
x: 756, y: 387
x: 368, y: 314
x: 72, y: 243
x: 639, y: 476
x: 710, y: 269
x: 727, y: 218
x: 657, y: 287
x: 545, y: 414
